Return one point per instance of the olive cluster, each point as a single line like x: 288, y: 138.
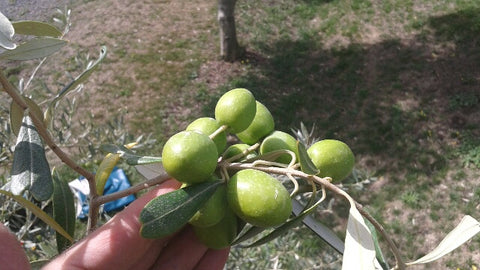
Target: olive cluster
x: 249, y: 195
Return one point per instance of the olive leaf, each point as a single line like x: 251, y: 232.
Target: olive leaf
x: 378, y: 251
x: 465, y: 230
x: 359, y: 250
x: 17, y: 112
x: 82, y: 77
x: 38, y: 213
x: 291, y: 223
x: 63, y: 210
x: 129, y: 156
x: 34, y: 48
x: 30, y: 169
x: 73, y: 84
x: 36, y: 28
x: 6, y: 33
x: 152, y: 170
x: 168, y: 213
x: 319, y: 229
x: 248, y: 232
x: 306, y: 163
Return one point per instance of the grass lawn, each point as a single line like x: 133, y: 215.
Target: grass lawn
x: 397, y: 80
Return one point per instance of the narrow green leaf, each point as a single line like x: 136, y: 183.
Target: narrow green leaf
x: 17, y: 113
x: 319, y: 229
x: 16, y: 117
x: 36, y: 28
x: 6, y: 33
x: 35, y: 48
x: 278, y: 231
x: 378, y: 251
x: 129, y: 156
x: 359, y: 250
x: 112, y: 148
x: 465, y: 230
x: 140, y: 160
x: 152, y: 170
x: 168, y: 213
x: 63, y: 210
x: 291, y: 223
x: 82, y: 77
x: 38, y: 212
x: 247, y: 233
x: 305, y: 162
x: 30, y: 169
x: 48, y: 117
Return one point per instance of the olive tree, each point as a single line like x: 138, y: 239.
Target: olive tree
x: 230, y: 50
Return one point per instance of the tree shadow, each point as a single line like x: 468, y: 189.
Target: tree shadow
x: 399, y: 104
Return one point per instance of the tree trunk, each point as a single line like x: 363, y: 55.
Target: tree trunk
x: 229, y: 48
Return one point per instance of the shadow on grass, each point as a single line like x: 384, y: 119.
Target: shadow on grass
x: 399, y: 104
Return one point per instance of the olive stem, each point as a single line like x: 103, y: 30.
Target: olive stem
x: 42, y: 131
x: 327, y: 184
x: 218, y: 131
x: 295, y: 185
x: 244, y: 153
x: 132, y: 190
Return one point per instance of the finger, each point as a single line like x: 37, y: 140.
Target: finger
x: 12, y: 255
x: 117, y: 244
x: 213, y: 259
x: 182, y: 253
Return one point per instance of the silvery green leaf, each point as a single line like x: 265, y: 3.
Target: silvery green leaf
x: 379, y: 254
x: 35, y: 48
x: 318, y: 228
x: 465, y: 230
x: 17, y: 112
x: 129, y: 156
x: 36, y: 28
x: 6, y: 33
x: 306, y: 163
x: 359, y: 247
x: 83, y: 76
x: 30, y: 169
x: 63, y: 211
x: 152, y: 170
x: 169, y: 212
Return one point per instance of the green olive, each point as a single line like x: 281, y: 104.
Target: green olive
x: 190, y: 157
x: 207, y: 126
x: 236, y: 149
x: 258, y: 198
x: 261, y: 126
x: 333, y: 158
x: 279, y: 140
x: 220, y: 235
x: 236, y: 109
x: 213, y: 210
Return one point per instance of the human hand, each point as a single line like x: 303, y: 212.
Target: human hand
x: 118, y: 245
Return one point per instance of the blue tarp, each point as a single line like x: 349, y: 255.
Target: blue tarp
x: 117, y: 181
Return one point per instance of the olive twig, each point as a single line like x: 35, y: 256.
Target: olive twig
x: 326, y: 183
x: 295, y: 185
x: 218, y: 131
x: 244, y: 153
x: 131, y: 190
x: 259, y: 163
x: 42, y: 131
